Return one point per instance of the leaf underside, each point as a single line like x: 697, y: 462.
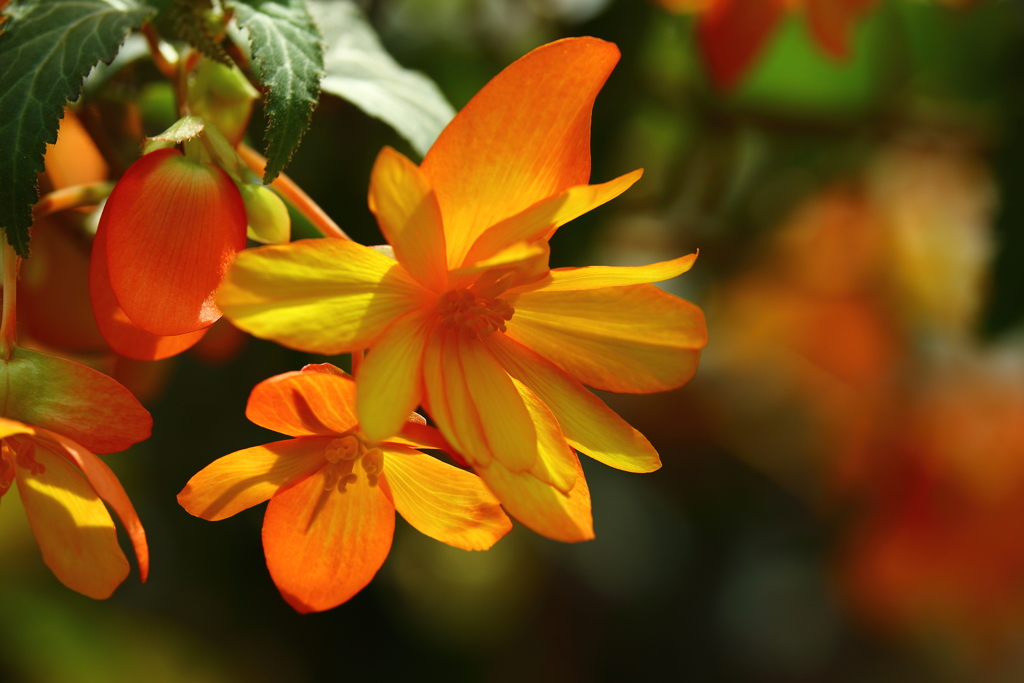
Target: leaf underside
x: 288, y: 55
x: 46, y: 49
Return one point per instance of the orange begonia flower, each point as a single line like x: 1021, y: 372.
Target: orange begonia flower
x: 470, y: 321
x: 333, y: 497
x: 167, y: 233
x: 731, y: 33
x: 54, y: 413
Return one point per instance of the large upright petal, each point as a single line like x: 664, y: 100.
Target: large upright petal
x: 390, y: 377
x: 443, y: 502
x: 587, y: 423
x: 409, y: 217
x: 71, y: 399
x: 249, y: 477
x: 124, y: 336
x: 173, y: 228
x: 523, y: 138
x: 547, y: 215
x: 626, y: 339
x: 323, y: 546
x: 304, y: 403
x: 543, y: 508
x: 324, y: 296
x: 475, y: 404
x: 733, y: 32
x: 75, y: 532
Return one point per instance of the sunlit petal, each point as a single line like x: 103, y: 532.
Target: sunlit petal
x: 523, y: 138
x: 409, y: 217
x: 304, y: 403
x: 75, y: 532
x: 323, y: 546
x: 596, y: 277
x: 443, y: 502
x: 249, y: 477
x: 325, y: 296
x: 173, y: 227
x: 554, y: 464
x: 587, y: 423
x: 626, y: 339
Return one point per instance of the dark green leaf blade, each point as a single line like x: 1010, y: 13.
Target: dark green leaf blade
x: 287, y: 52
x: 46, y: 50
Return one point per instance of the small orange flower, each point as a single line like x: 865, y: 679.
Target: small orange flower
x: 333, y: 493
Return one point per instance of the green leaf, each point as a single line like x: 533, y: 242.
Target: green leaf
x: 288, y: 56
x: 361, y: 71
x: 46, y: 50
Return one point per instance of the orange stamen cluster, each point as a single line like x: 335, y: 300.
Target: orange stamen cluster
x: 476, y: 317
x: 342, y: 454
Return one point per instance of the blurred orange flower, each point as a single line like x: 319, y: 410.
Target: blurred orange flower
x: 333, y: 495
x: 468, y: 319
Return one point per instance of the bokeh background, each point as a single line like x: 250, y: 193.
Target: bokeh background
x: 842, y: 497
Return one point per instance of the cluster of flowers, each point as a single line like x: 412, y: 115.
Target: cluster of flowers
x: 459, y: 314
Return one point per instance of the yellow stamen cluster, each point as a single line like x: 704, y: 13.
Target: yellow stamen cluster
x: 342, y: 454
x: 476, y: 317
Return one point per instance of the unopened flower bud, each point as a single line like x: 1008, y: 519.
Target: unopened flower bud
x: 269, y: 222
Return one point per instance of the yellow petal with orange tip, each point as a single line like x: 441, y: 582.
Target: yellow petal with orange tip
x: 586, y: 422
x: 323, y: 546
x: 324, y: 296
x: 251, y: 476
x: 547, y: 215
x: 633, y: 339
x: 554, y: 464
x: 409, y: 217
x: 107, y: 486
x: 543, y: 508
x: 390, y: 377
x: 304, y: 403
x: 75, y: 532
x: 523, y: 138
x: 12, y: 427
x: 596, y: 277
x: 443, y: 502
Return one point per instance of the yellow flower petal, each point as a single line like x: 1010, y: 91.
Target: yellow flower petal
x: 409, y: 217
x: 448, y: 400
x: 324, y: 296
x: 554, y: 465
x: 596, y: 277
x: 543, y: 508
x: 626, y: 339
x: 390, y: 377
x: 251, y: 476
x: 546, y: 216
x: 443, y: 502
x: 587, y: 423
x: 75, y: 532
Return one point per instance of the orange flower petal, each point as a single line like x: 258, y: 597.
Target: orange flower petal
x: 443, y: 502
x: 323, y: 546
x: 543, y: 508
x: 251, y: 476
x: 832, y: 23
x: 10, y: 428
x: 596, y: 277
x: 107, y: 486
x: 523, y: 138
x: 173, y: 228
x: 124, y: 336
x: 546, y: 216
x: 73, y: 528
x: 71, y: 399
x: 733, y: 32
x: 626, y: 339
x: 554, y: 464
x: 475, y: 404
x: 390, y: 377
x: 300, y: 295
x: 75, y: 159
x: 587, y: 423
x: 304, y: 403
x: 409, y: 217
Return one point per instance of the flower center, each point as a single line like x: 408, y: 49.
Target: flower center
x: 16, y: 452
x: 474, y: 316
x: 342, y: 455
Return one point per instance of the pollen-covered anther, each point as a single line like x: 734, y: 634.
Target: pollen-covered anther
x: 342, y: 454
x: 373, y: 465
x: 476, y: 317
